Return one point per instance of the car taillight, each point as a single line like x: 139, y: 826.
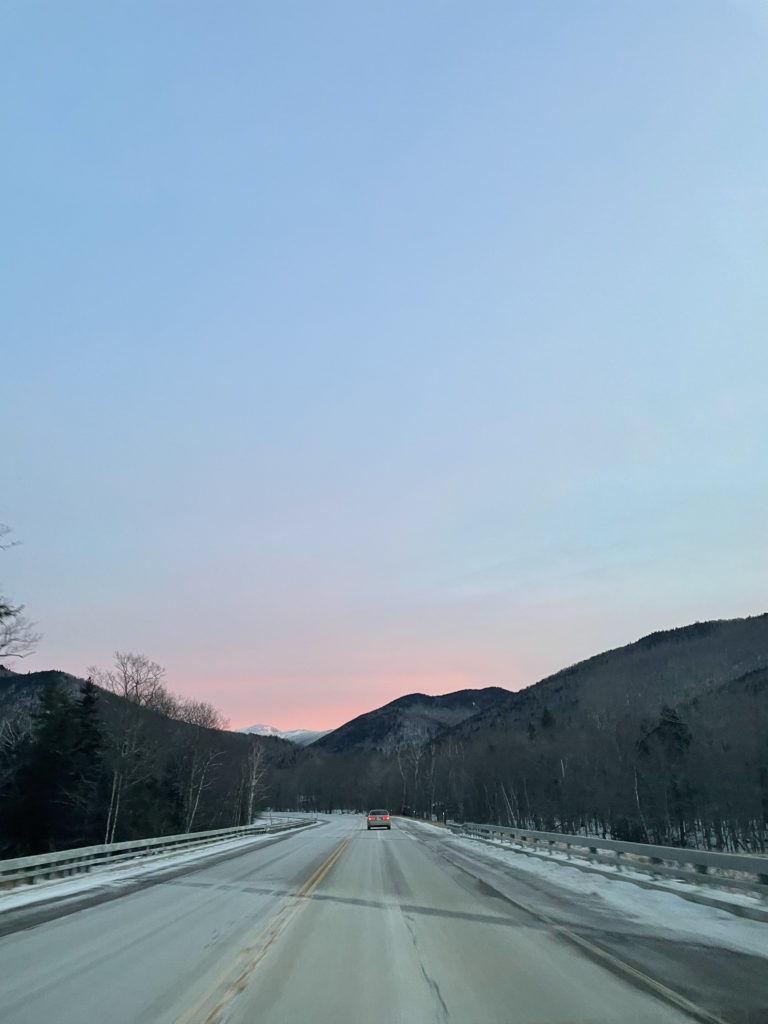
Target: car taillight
x: 371, y: 817
x: 385, y: 817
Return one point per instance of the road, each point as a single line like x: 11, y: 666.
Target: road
x: 332, y: 925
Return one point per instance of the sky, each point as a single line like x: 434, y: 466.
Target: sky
x: 353, y: 349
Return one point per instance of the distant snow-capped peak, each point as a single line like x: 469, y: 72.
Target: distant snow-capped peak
x: 262, y: 730
x: 302, y: 737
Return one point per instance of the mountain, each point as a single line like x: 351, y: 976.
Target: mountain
x: 670, y: 667
x: 80, y: 765
x: 415, y: 717
x: 260, y: 730
x: 661, y: 741
x: 302, y: 737
x: 20, y: 692
x: 664, y: 668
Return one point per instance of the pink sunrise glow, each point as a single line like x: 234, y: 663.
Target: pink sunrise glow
x: 285, y: 704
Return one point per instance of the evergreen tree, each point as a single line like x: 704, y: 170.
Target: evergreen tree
x: 52, y: 797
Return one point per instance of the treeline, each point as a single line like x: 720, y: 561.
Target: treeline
x: 119, y: 757
x: 120, y: 760
x: 695, y: 775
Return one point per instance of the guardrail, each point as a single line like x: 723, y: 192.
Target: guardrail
x: 20, y: 870
x: 700, y: 866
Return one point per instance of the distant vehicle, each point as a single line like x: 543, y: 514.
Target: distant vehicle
x: 379, y: 819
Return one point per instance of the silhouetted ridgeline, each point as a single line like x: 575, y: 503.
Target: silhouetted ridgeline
x: 664, y: 740
x: 413, y: 717
x: 80, y: 765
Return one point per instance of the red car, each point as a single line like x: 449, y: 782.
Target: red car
x: 379, y: 819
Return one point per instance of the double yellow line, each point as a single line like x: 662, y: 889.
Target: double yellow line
x: 251, y: 956
x: 317, y: 876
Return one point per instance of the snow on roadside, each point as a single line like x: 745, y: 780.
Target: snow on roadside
x: 115, y: 875
x: 661, y: 911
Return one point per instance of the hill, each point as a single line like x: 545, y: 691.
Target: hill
x: 663, y: 740
x: 664, y: 668
x: 24, y: 688
x: 301, y: 737
x: 81, y: 765
x: 415, y: 717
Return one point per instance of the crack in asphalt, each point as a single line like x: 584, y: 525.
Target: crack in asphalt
x: 434, y: 988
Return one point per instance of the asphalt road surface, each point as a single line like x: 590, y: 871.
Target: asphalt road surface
x: 337, y: 925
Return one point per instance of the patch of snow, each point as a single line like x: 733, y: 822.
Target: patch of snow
x: 660, y: 910
x: 433, y: 826
x: 302, y: 737
x: 261, y: 730
x: 117, y: 875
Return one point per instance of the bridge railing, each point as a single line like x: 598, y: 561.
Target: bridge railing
x: 736, y: 871
x: 20, y: 870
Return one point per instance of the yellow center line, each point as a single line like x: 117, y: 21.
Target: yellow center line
x: 320, y: 872
x: 251, y: 955
x: 319, y: 875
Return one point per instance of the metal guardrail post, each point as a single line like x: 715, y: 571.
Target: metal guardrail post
x: 18, y: 870
x: 704, y: 866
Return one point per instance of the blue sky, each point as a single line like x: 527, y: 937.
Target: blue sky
x: 351, y: 349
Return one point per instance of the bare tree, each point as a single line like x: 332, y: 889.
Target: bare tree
x: 409, y: 753
x: 254, y: 770
x: 202, y: 753
x: 202, y: 762
x: 17, y: 635
x: 135, y: 678
x: 257, y: 770
x: 15, y: 727
x: 140, y: 682
x: 197, y: 712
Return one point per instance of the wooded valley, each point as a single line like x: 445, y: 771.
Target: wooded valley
x: 663, y: 741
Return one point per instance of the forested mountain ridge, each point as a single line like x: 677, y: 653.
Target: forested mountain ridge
x: 663, y: 668
x: 415, y: 716
x: 665, y: 741
x: 301, y: 737
x: 17, y: 688
x: 81, y: 764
